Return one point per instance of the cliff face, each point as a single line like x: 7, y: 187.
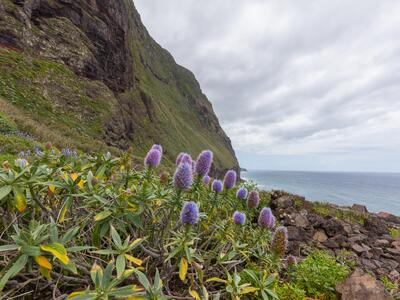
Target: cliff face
x: 89, y: 72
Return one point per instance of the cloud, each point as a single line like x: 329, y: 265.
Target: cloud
x: 292, y: 77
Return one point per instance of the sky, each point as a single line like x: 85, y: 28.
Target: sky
x: 296, y: 85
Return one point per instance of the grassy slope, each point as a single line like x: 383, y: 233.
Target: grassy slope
x: 49, y: 101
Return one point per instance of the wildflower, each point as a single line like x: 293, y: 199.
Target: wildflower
x: 206, y: 179
x: 203, y: 163
x: 291, y: 260
x: 38, y: 151
x: 239, y: 218
x: 179, y: 158
x: 183, y: 177
x: 190, y: 213
x: 253, y: 200
x: 217, y: 186
x: 266, y: 218
x: 68, y: 152
x: 280, y: 241
x: 230, y: 179
x: 153, y: 158
x: 21, y: 162
x: 187, y: 158
x: 157, y: 147
x: 48, y: 145
x: 241, y: 193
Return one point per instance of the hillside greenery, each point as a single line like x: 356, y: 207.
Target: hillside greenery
x: 94, y: 226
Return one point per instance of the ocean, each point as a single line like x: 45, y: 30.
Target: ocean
x: 377, y: 191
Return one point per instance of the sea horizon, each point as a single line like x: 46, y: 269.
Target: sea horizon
x: 378, y: 191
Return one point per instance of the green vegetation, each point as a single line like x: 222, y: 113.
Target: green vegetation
x: 318, y: 275
x: 7, y: 126
x: 93, y: 227
x: 327, y: 209
x: 394, y: 232
x: 392, y: 286
x: 48, y: 101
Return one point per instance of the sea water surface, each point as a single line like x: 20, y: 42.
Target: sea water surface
x: 377, y: 191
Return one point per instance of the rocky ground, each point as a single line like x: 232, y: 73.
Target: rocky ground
x: 348, y: 232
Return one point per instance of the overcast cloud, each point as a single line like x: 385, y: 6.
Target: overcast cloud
x: 312, y: 85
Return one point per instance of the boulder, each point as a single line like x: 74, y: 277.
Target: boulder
x: 333, y: 227
x: 331, y: 244
x: 296, y: 233
x: 360, y: 248
x: 362, y: 286
x: 382, y: 242
x: 359, y: 208
x: 357, y: 237
x: 320, y: 236
x: 375, y: 225
x: 300, y: 221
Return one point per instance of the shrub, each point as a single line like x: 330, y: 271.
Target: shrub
x: 319, y: 274
x: 290, y: 291
x: 102, y: 230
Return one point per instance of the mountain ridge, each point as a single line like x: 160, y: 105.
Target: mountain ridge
x: 90, y: 71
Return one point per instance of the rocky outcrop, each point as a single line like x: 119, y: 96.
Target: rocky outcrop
x: 152, y: 98
x: 365, y: 236
x: 362, y: 286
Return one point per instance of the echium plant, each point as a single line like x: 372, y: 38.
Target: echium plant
x: 107, y: 227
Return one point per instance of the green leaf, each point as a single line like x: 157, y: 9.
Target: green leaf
x: 120, y: 264
x: 70, y: 234
x: 64, y: 208
x: 4, y: 191
x: 31, y: 250
x: 143, y: 280
x: 19, y: 199
x: 79, y: 248
x: 103, y: 215
x: 57, y: 250
x: 107, y: 274
x: 8, y: 248
x: 105, y: 252
x: 14, y: 270
x: 116, y: 238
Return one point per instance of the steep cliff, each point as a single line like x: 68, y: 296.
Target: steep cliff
x: 87, y: 74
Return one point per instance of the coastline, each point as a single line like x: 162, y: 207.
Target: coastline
x: 371, y: 240
x: 377, y: 191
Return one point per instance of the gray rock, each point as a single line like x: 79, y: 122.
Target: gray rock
x: 359, y: 208
x: 382, y: 242
x: 360, y: 248
x: 300, y: 221
x: 357, y: 237
x: 320, y: 236
x: 333, y: 227
x: 362, y: 286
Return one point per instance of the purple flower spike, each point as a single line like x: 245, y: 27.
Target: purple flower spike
x: 153, y: 158
x: 157, y: 147
x: 190, y: 213
x: 241, y: 193
x: 179, y: 158
x: 230, y: 179
x: 217, y: 186
x: 203, y: 163
x: 239, y: 218
x: 206, y: 179
x: 280, y: 241
x: 253, y: 200
x: 186, y: 158
x: 183, y: 177
x: 266, y: 218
